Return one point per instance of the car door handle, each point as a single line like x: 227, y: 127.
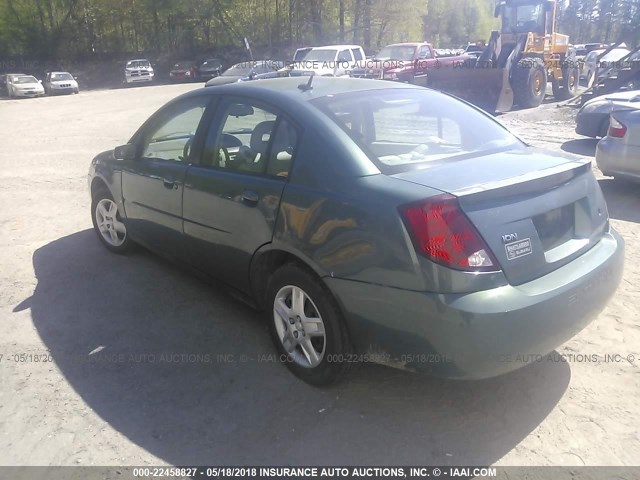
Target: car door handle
x: 169, y: 184
x: 250, y: 197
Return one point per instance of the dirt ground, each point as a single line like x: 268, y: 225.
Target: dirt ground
x: 164, y: 388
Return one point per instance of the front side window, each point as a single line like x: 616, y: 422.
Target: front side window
x: 424, y: 52
x: 356, y: 54
x: 401, y: 129
x: 252, y: 139
x: 171, y: 135
x: 345, y: 56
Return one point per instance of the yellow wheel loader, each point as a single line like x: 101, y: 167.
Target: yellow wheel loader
x: 517, y: 62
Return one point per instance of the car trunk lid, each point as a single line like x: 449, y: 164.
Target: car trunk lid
x: 535, y: 211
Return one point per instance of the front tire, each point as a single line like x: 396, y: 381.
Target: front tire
x: 108, y: 224
x: 307, y: 326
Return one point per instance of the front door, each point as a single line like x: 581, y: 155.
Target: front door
x: 152, y: 183
x: 232, y: 195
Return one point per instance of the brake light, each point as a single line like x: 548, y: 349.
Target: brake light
x: 442, y: 232
x: 617, y: 129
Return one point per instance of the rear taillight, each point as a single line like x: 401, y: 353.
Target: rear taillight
x: 617, y: 129
x: 442, y: 232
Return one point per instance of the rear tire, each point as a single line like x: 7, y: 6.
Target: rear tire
x: 568, y: 87
x: 529, y: 82
x: 307, y: 326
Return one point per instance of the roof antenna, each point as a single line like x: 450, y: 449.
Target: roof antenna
x: 305, y: 87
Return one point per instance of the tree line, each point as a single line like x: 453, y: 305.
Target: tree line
x: 72, y: 29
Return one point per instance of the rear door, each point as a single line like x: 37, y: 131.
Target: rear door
x: 152, y: 183
x: 232, y: 195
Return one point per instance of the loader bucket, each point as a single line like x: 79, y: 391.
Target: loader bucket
x: 487, y: 88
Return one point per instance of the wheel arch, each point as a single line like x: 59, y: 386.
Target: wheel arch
x: 268, y: 259
x: 98, y: 183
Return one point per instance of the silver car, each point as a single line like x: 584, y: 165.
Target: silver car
x: 592, y: 119
x: 618, y: 154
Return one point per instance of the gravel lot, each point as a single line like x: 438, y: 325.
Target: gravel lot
x: 146, y: 401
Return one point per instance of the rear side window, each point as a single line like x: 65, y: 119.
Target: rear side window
x: 402, y: 129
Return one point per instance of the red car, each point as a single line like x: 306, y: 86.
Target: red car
x: 184, y: 72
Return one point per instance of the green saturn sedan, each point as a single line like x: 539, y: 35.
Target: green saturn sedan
x: 372, y: 221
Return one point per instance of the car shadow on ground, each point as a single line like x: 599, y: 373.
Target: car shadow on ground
x: 623, y: 199
x: 581, y: 146
x: 185, y: 372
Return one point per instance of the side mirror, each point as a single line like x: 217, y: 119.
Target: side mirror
x: 125, y: 152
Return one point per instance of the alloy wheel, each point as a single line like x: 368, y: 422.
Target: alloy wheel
x: 299, y: 326
x: 109, y: 222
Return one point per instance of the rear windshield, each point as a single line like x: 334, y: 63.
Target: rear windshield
x: 403, y: 129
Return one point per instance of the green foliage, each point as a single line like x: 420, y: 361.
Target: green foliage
x: 64, y: 29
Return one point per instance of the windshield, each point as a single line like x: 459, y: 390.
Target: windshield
x: 25, y: 79
x: 213, y: 63
x: 405, y: 129
x: 183, y: 65
x: 239, y: 70
x: 321, y: 56
x: 523, y: 18
x: 396, y: 53
x: 61, y: 76
x: 138, y: 64
x: 300, y: 54
x: 615, y: 55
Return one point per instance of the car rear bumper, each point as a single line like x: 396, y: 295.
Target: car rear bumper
x: 613, y: 157
x: 481, y: 334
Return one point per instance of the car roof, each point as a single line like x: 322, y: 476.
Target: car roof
x: 408, y: 44
x: 334, y: 47
x: 321, y: 87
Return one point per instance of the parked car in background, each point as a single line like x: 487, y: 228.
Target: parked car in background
x: 210, y: 68
x: 24, y: 86
x: 249, y: 70
x: 329, y: 61
x: 593, y: 65
x: 185, y: 71
x: 6, y: 80
x: 408, y: 62
x: 618, y: 154
x: 60, y: 82
x: 592, y: 119
x: 367, y: 218
x: 138, y: 71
